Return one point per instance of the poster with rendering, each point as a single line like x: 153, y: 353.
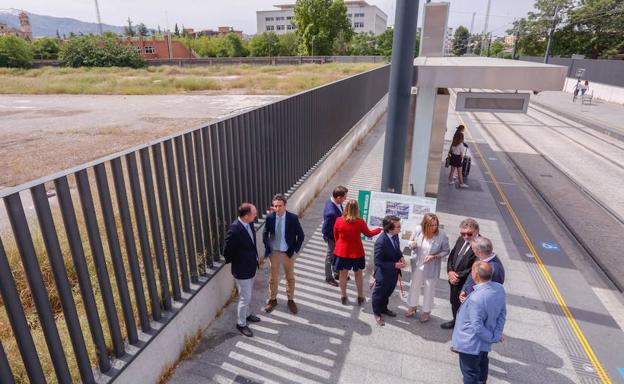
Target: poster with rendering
x: 374, y: 206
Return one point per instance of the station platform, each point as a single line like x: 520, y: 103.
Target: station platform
x: 556, y: 331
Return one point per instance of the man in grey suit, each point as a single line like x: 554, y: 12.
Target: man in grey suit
x: 482, y: 247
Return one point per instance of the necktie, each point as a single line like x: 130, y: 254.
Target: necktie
x: 462, y: 251
x: 278, y: 233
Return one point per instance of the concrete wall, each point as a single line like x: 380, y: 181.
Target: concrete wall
x: 604, y: 92
x: 303, y: 195
x: 165, y: 347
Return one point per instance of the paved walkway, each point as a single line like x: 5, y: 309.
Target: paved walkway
x: 602, y: 113
x: 331, y: 343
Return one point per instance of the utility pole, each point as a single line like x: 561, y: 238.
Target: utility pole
x: 469, y: 48
x: 99, y: 20
x: 489, y: 44
x: 401, y: 72
x: 485, y: 26
x: 550, y: 34
x: 516, y: 42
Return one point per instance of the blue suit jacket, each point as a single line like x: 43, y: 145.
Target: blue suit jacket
x: 498, y: 275
x: 386, y: 256
x: 293, y: 233
x: 330, y: 214
x: 480, y: 320
x: 241, y: 251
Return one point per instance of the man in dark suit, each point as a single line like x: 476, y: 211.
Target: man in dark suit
x: 460, y: 263
x: 332, y: 211
x: 388, y: 263
x: 482, y: 247
x: 282, y: 237
x: 240, y: 250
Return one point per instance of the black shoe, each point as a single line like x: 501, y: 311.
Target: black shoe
x: 389, y: 313
x: 253, y: 319
x: 361, y: 300
x: 332, y: 282
x: 344, y: 300
x: 244, y: 330
x: 448, y: 325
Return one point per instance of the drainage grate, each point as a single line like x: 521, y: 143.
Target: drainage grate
x: 240, y: 379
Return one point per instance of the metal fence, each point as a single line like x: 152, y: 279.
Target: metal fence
x: 171, y: 203
x: 609, y: 72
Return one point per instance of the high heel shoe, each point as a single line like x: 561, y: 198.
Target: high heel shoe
x: 411, y: 312
x: 361, y: 300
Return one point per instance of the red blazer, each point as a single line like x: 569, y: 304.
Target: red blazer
x: 347, y: 236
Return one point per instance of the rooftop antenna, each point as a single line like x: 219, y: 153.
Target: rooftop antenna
x: 99, y: 20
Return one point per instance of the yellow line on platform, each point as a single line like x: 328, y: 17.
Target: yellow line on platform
x: 564, y: 307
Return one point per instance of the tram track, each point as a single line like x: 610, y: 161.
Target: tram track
x: 587, y: 241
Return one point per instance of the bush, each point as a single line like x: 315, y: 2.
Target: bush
x: 93, y: 51
x: 46, y: 49
x: 15, y: 52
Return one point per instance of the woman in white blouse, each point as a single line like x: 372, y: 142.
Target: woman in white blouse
x: 429, y: 246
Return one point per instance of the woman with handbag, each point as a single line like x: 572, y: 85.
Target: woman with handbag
x: 429, y: 246
x: 456, y: 157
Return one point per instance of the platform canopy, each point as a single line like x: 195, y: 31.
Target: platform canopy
x: 488, y: 73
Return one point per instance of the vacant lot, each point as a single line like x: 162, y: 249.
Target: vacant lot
x: 245, y: 79
x: 105, y: 110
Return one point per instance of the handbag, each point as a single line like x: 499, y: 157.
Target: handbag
x: 447, y: 162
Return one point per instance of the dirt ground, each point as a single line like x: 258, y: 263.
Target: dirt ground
x: 42, y: 134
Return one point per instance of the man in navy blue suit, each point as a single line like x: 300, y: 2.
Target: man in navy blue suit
x: 332, y: 211
x: 388, y: 263
x: 240, y: 250
x: 282, y: 238
x: 482, y: 248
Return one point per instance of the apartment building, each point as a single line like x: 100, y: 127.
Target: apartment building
x: 363, y: 16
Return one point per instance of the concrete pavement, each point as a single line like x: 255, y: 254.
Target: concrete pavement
x: 330, y: 343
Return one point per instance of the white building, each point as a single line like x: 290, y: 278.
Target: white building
x: 363, y: 17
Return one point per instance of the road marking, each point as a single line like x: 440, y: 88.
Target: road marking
x: 551, y: 246
x: 553, y: 287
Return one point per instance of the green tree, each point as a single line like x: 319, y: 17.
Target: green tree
x: 129, y: 29
x: 364, y: 44
x: 288, y: 44
x: 235, y: 46
x: 497, y: 48
x: 342, y: 44
x: 318, y: 25
x: 15, y: 52
x: 142, y: 30
x: 46, y: 48
x: 97, y: 51
x: 384, y: 43
x: 266, y: 44
x: 176, y: 30
x: 460, y: 41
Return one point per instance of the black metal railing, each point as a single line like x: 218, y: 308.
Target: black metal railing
x: 171, y: 203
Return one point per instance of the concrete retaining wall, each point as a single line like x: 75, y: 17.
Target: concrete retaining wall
x: 166, y: 347
x: 604, y: 92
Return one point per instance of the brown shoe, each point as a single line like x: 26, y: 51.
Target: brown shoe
x: 380, y: 320
x: 292, y: 306
x: 270, y: 305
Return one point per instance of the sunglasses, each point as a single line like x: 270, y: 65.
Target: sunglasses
x: 466, y: 234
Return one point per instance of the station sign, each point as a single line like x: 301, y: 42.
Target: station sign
x: 492, y: 102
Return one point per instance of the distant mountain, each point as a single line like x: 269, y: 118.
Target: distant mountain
x: 48, y: 25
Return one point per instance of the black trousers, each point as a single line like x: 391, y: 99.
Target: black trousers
x: 454, y: 296
x: 381, y: 295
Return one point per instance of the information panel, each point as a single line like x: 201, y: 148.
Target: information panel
x: 374, y: 206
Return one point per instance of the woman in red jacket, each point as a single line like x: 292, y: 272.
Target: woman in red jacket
x: 349, y: 250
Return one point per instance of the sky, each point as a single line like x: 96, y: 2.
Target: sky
x: 241, y: 14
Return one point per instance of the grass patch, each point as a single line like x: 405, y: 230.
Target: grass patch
x: 287, y: 79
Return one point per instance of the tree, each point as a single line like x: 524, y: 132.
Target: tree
x: 129, y: 30
x: 384, y: 43
x: 266, y: 44
x: 15, y: 52
x: 364, y: 44
x: 46, y: 48
x: 234, y: 45
x: 288, y: 44
x: 497, y: 48
x: 142, y: 30
x: 176, y: 30
x: 342, y: 44
x: 460, y: 41
x: 98, y: 51
x: 318, y: 25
